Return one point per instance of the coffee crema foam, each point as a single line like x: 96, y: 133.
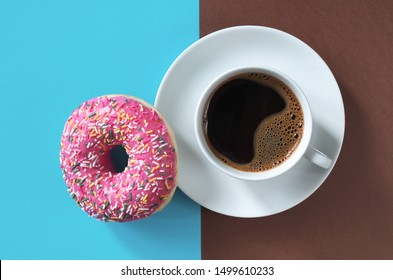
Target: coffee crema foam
x: 276, y: 137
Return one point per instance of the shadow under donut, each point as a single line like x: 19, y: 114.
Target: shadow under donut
x: 173, y: 233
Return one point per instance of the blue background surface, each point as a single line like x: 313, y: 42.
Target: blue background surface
x: 53, y: 56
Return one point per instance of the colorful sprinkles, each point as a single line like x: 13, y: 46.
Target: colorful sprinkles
x: 147, y: 182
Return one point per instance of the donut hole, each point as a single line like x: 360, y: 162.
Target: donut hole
x: 119, y: 158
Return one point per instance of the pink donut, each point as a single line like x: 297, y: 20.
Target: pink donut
x: 98, y: 138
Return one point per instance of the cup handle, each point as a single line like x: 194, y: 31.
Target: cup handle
x: 318, y: 158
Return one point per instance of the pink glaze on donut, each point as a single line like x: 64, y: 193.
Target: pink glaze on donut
x: 91, y: 132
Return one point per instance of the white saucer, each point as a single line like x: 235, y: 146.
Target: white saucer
x: 255, y: 46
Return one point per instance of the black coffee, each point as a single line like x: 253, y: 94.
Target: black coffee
x: 253, y: 122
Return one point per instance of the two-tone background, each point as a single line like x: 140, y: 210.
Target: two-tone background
x: 56, y: 54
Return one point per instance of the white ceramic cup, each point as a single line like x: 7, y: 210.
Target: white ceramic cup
x: 303, y: 150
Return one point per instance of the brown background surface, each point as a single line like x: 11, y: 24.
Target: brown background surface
x: 351, y: 214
